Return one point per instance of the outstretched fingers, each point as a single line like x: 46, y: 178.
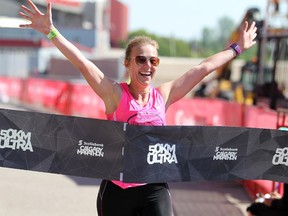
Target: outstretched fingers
x: 252, y: 26
x: 34, y: 7
x: 39, y: 21
x: 245, y: 26
x: 249, y: 34
x: 252, y: 31
x: 28, y: 12
x: 49, y: 9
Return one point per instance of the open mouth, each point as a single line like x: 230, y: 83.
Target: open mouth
x: 146, y: 73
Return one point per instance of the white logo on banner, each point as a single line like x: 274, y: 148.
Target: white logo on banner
x: 90, y: 149
x: 281, y: 156
x: 225, y: 154
x: 162, y: 153
x: 15, y: 139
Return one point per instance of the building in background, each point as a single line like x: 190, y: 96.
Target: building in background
x: 94, y: 26
x: 118, y: 23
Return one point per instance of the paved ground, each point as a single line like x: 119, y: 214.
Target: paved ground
x: 29, y: 193
x: 209, y: 198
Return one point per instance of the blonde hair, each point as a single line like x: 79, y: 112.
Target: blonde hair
x: 138, y: 41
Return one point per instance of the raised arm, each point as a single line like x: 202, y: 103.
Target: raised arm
x: 176, y: 89
x: 105, y: 88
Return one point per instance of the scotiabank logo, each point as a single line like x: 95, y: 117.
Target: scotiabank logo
x: 281, y: 156
x: 225, y: 154
x: 15, y: 140
x: 162, y: 153
x: 90, y: 149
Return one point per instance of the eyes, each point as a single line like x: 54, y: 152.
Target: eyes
x: 140, y: 60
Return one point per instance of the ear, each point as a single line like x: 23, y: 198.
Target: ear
x: 126, y: 63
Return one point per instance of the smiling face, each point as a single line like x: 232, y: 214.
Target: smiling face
x: 141, y: 60
x: 142, y: 72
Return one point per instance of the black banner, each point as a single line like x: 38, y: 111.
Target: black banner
x: 61, y: 144
x: 191, y: 153
x: 118, y: 151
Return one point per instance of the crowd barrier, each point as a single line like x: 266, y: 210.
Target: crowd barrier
x: 204, y: 111
x: 55, y: 95
x: 78, y: 99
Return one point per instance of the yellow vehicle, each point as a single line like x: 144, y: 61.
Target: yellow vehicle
x: 263, y: 75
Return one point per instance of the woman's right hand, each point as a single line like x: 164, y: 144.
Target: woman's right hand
x: 39, y: 21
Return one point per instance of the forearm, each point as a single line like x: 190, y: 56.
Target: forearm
x: 72, y: 53
x: 215, y: 61
x: 91, y: 73
x: 44, y: 24
x: 246, y: 41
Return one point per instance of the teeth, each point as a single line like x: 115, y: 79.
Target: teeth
x: 145, y: 73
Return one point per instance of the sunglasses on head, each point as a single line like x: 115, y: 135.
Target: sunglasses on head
x: 143, y: 59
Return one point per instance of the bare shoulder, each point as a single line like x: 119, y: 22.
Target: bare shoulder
x: 164, y: 89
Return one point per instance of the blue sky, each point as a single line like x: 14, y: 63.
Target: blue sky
x: 186, y: 18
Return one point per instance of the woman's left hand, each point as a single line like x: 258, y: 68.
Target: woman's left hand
x: 248, y: 35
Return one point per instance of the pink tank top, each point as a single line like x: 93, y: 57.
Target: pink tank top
x: 130, y: 111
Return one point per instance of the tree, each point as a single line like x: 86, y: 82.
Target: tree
x: 169, y: 46
x: 225, y: 28
x: 213, y: 39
